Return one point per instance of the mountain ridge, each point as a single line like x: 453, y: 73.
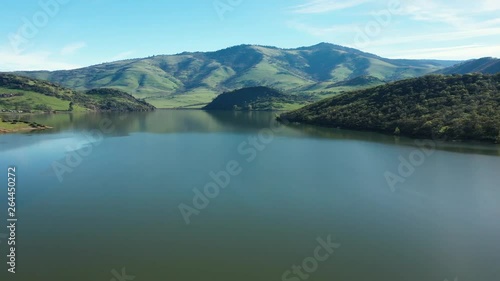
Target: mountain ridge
x: 195, y: 78
x: 486, y: 65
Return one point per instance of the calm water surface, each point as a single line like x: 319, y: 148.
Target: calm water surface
x: 118, y: 206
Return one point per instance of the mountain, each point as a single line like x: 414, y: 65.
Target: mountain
x: 482, y: 65
x: 255, y: 98
x: 454, y: 107
x: 194, y: 79
x: 30, y: 95
x: 367, y: 81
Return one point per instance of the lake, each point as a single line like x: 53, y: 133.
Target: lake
x: 193, y: 195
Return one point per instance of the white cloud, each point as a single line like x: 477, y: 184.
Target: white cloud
x: 436, y: 37
x: 41, y: 60
x: 72, y: 48
x: 122, y: 56
x: 325, y: 6
x: 490, y: 5
x: 459, y: 14
x: 321, y: 31
x: 449, y: 53
x: 421, y: 23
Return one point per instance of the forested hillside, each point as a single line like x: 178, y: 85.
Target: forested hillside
x: 455, y: 107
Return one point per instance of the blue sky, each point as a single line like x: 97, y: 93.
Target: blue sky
x: 65, y: 34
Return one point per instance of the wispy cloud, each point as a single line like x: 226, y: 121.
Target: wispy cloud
x: 461, y: 14
x: 320, y: 31
x: 40, y: 60
x: 437, y: 37
x: 490, y: 5
x: 122, y: 56
x: 473, y: 26
x: 451, y: 53
x: 72, y: 48
x: 332, y: 33
x: 324, y: 6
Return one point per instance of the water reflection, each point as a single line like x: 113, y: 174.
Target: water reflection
x: 235, y: 122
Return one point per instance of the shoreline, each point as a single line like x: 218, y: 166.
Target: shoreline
x: 23, y: 130
x: 19, y: 126
x: 286, y: 121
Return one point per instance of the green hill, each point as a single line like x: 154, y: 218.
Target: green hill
x: 367, y: 81
x: 255, y: 98
x: 482, y: 65
x: 194, y: 79
x: 30, y: 95
x: 456, y: 107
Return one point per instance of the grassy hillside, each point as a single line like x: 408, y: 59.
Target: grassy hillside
x: 456, y: 107
x: 114, y: 100
x: 14, y: 126
x: 256, y: 98
x: 31, y: 95
x: 361, y: 81
x: 483, y: 65
x: 193, y: 79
